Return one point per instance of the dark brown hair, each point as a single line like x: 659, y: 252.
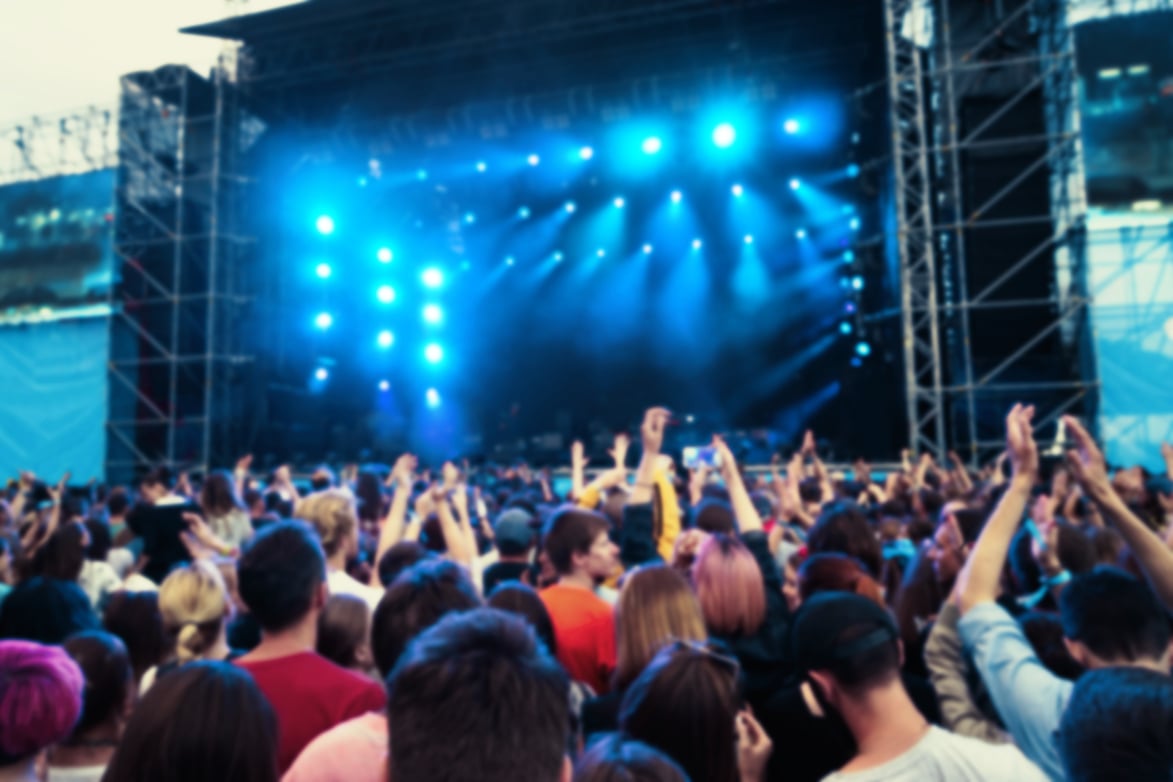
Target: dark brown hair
x: 685, y: 704
x: 477, y: 697
x: 521, y: 599
x: 343, y: 627
x: 206, y: 720
x: 135, y: 618
x: 618, y: 759
x: 571, y: 531
x: 218, y: 494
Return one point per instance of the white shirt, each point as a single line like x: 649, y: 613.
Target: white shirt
x: 342, y: 584
x: 942, y: 756
x: 97, y: 579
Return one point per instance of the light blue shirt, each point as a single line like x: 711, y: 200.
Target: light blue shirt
x: 1030, y: 699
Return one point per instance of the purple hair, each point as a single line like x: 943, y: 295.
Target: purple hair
x: 40, y: 698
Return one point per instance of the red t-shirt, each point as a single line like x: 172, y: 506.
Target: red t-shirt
x: 584, y: 629
x: 310, y: 695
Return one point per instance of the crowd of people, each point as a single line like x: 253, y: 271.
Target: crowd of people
x: 933, y: 623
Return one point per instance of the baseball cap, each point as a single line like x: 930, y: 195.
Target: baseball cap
x: 833, y: 627
x: 512, y: 532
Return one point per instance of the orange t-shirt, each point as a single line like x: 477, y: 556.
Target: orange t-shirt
x: 584, y: 629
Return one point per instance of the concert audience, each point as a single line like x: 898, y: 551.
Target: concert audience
x: 933, y: 623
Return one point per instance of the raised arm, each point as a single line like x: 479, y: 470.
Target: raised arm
x: 391, y: 531
x: 652, y: 438
x: 978, y: 581
x: 577, y: 469
x: 744, y: 511
x: 1089, y: 469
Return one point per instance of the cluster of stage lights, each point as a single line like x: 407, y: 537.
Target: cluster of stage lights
x: 724, y: 135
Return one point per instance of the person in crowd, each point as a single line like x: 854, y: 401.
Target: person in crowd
x: 398, y: 558
x: 477, y: 697
x: 1109, y: 618
x: 739, y: 586
x: 513, y: 540
x: 356, y: 750
x: 195, y: 608
x: 849, y: 647
x: 521, y: 599
x: 223, y: 510
x: 333, y: 516
x: 1117, y: 726
x: 108, y: 701
x: 282, y: 580
x: 686, y: 703
x: 344, y: 633
x: 577, y: 545
x: 207, y: 720
x: 5, y: 568
x: 40, y: 702
x: 656, y: 606
x: 795, y: 715
x: 616, y: 759
x: 157, y: 521
x: 135, y: 618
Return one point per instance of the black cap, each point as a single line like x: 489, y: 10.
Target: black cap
x: 832, y: 627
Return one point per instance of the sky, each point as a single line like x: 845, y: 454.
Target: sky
x: 61, y: 55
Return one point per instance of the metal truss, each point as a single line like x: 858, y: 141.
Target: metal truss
x: 946, y: 391
x: 175, y: 339
x: 72, y: 143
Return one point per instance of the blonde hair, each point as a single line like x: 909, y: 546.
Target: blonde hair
x: 333, y: 514
x: 657, y: 606
x: 194, y: 603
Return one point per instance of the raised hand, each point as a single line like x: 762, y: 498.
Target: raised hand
x: 619, y: 450
x: 244, y: 463
x: 728, y: 465
x: 808, y: 443
x: 403, y: 471
x: 1087, y: 462
x: 578, y: 458
x: 652, y: 430
x: 451, y: 475
x: 1020, y: 442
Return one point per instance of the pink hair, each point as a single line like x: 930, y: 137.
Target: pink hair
x: 729, y: 585
x: 40, y: 698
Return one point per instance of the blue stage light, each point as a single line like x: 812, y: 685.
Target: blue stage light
x: 421, y: 175
x: 601, y: 253
x: 651, y: 145
x: 800, y: 234
x: 321, y: 374
x: 677, y: 196
x: 557, y: 256
x: 738, y: 190
x: 385, y: 339
x: 432, y: 277
x: 481, y: 167
x: 586, y: 153
x: 470, y: 218
x: 509, y: 261
x: 857, y: 283
x: 849, y: 256
x: 795, y: 184
x: 384, y: 386
x: 385, y: 294
x: 324, y: 320
x: 647, y: 249
x: 724, y: 135
x: 385, y: 255
x: 856, y: 361
x: 433, y: 398
x: 325, y: 225
x: 853, y: 170
x: 619, y: 202
x: 324, y: 270
x: 748, y: 239
x: 434, y: 353
x: 533, y: 160
x: 863, y: 349
x: 791, y: 126
x: 433, y: 313
x: 854, y: 223
x: 697, y: 244
x: 523, y: 213
x: 845, y: 327
x: 570, y: 206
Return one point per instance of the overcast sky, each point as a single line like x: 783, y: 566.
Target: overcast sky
x: 59, y: 55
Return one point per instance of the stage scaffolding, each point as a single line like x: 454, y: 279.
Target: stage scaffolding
x: 952, y: 398
x: 179, y: 353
